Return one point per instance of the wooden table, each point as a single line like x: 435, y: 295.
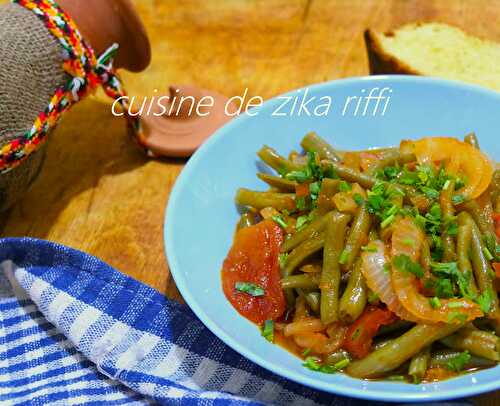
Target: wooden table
x: 97, y: 193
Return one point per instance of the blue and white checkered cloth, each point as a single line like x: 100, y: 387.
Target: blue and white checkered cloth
x: 75, y: 331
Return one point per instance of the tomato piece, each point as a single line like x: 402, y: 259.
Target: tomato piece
x: 302, y: 190
x: 367, y: 159
x: 254, y: 258
x: 359, y: 336
x: 496, y: 267
x: 496, y: 219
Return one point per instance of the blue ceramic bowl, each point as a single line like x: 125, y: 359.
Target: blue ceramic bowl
x: 201, y: 214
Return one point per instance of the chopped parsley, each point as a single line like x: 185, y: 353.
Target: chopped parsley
x: 278, y: 219
x: 300, y: 203
x: 367, y: 248
x: 314, y: 189
x: 306, y: 352
x: 457, y: 199
x: 358, y: 199
x: 381, y: 202
x: 282, y: 259
x: 314, y: 364
x: 435, y: 302
x: 301, y: 222
x: 251, y: 288
x: 344, y: 186
x: 461, y: 317
x: 404, y: 264
x: 311, y: 172
x: 343, y: 257
x: 484, y: 300
x: 268, y: 330
x: 458, y: 362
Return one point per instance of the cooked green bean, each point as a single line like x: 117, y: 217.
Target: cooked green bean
x: 246, y: 220
x: 313, y: 229
x: 357, y: 236
x: 353, y: 299
x: 336, y: 227
x: 396, y: 326
x: 278, y: 182
x: 390, y: 158
x: 349, y: 174
x: 464, y: 236
x: 312, y: 142
x: 484, y: 222
x: 447, y: 213
x: 472, y: 140
x: 481, y: 343
x: 329, y: 187
x: 442, y: 358
x: 276, y: 161
x: 303, y: 281
x: 419, y: 364
x: 260, y: 200
x: 482, y: 269
x: 399, y: 350
x: 312, y: 299
x: 299, y: 254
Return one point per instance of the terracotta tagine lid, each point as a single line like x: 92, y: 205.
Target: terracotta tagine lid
x: 188, y: 117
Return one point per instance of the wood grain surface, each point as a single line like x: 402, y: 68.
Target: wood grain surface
x: 97, y: 193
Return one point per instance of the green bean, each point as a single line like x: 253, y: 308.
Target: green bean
x: 276, y: 161
x: 482, y: 269
x: 483, y: 272
x: 481, y: 343
x: 484, y: 222
x: 260, y: 200
x: 329, y: 187
x: 312, y: 299
x: 314, y: 143
x: 399, y: 350
x: 447, y: 213
x: 357, y: 236
x: 299, y: 254
x: 278, y: 182
x: 442, y: 358
x: 464, y: 235
x: 390, y: 158
x: 304, y: 281
x: 412, y: 196
x: 313, y: 229
x: 330, y: 275
x: 393, y: 327
x: 246, y: 220
x: 349, y: 174
x: 336, y: 357
x: 419, y: 364
x: 353, y: 300
x: 472, y: 140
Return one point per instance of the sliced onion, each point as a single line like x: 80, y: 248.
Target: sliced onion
x: 378, y: 279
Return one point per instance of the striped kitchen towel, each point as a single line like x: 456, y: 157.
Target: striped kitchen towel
x: 75, y: 331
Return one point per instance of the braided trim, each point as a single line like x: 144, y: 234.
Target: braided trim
x: 87, y: 72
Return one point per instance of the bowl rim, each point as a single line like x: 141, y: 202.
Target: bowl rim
x: 181, y: 283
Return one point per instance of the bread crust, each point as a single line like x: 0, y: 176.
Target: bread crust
x: 382, y: 63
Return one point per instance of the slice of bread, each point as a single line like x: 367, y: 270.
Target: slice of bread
x: 434, y: 49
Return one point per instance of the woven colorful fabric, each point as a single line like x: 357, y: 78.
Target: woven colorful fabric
x: 87, y: 72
